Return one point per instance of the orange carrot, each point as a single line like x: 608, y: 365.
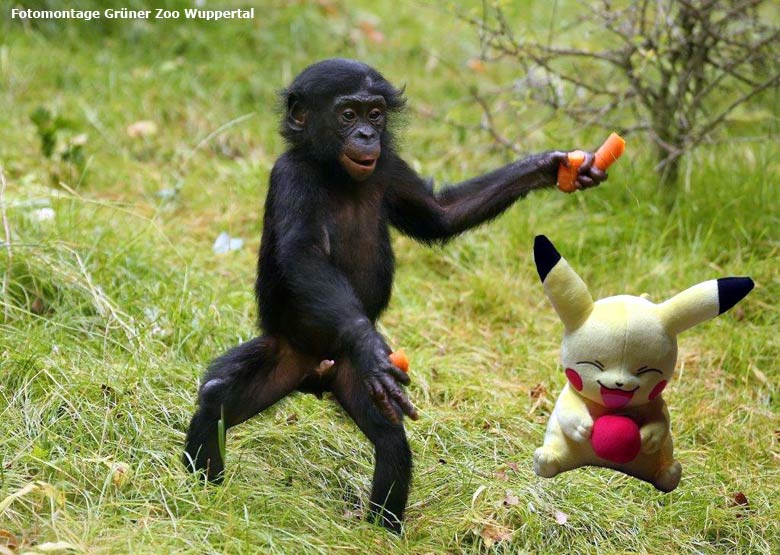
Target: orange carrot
x: 399, y: 360
x: 567, y: 175
x: 607, y: 153
x: 610, y: 151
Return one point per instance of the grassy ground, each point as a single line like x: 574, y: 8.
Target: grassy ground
x: 112, y: 308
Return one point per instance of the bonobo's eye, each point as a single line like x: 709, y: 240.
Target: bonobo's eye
x: 645, y: 370
x: 375, y: 115
x: 348, y: 115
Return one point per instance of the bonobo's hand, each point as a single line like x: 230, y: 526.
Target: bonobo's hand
x: 381, y: 379
x: 587, y: 176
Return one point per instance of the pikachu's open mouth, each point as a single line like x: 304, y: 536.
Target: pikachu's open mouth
x: 616, y: 398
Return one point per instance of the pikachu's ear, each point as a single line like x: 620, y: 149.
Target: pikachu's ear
x: 703, y: 302
x: 569, y: 294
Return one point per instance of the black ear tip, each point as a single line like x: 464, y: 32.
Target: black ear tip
x: 545, y: 256
x: 541, y: 241
x: 731, y: 290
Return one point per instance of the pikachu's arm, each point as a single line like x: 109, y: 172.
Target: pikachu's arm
x: 655, y: 427
x: 573, y: 415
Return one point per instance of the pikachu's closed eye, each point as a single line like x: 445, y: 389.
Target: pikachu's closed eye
x: 619, y: 354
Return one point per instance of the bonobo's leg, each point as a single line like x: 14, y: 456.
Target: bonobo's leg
x: 244, y: 381
x: 393, y: 458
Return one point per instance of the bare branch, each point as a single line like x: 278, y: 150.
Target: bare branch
x: 667, y: 65
x: 609, y: 56
x: 737, y: 62
x: 714, y: 122
x: 526, y: 52
x: 489, y: 124
x: 730, y: 71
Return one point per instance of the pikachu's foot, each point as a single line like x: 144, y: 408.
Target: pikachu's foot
x: 546, y: 462
x: 668, y: 478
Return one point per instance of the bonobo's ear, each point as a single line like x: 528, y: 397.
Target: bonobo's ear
x: 569, y: 294
x: 703, y: 302
x: 296, y: 114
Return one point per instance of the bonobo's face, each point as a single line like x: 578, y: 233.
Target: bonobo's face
x: 360, y: 120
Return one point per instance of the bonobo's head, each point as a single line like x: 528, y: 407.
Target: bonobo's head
x: 337, y: 111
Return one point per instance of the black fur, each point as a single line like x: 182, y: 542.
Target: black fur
x: 325, y: 273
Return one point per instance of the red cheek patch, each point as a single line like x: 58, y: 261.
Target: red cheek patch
x: 574, y: 379
x: 659, y: 387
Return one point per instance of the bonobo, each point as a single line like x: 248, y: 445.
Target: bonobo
x: 326, y: 266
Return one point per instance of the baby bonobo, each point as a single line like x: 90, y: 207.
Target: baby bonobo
x: 326, y: 265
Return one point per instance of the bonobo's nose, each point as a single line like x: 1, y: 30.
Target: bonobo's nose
x: 367, y: 133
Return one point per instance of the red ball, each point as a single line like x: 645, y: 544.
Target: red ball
x: 616, y: 438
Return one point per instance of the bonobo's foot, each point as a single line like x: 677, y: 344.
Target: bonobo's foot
x: 546, y: 462
x: 201, y: 449
x: 386, y: 519
x: 668, y: 477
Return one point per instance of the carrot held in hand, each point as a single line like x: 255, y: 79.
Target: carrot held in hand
x: 607, y: 153
x: 399, y: 360
x: 610, y: 151
x: 567, y: 175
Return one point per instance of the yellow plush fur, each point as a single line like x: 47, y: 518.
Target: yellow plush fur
x: 619, y: 353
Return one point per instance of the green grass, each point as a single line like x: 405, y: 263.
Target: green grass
x: 113, y: 309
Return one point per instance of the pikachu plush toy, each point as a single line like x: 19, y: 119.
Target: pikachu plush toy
x: 619, y: 354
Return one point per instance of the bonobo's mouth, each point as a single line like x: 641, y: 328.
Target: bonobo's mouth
x: 359, y: 167
x: 616, y: 398
x: 366, y: 162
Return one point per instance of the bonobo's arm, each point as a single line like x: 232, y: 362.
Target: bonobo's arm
x: 326, y: 302
x: 417, y: 211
